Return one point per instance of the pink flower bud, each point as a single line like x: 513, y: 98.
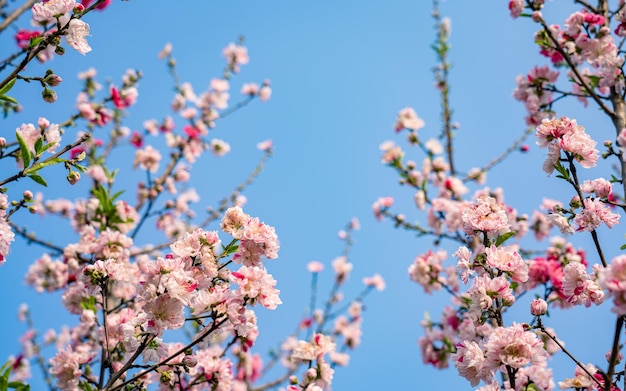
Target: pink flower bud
x: 536, y: 16
x: 28, y: 195
x: 538, y: 307
x: 49, y: 95
x: 53, y: 80
x: 73, y: 177
x: 315, y: 267
x: 190, y: 361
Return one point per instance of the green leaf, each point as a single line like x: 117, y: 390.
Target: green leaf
x: 7, y: 87
x: 38, y: 179
x: 38, y: 145
x: 119, y: 193
x: 4, y: 378
x: 89, y: 303
x: 23, y: 150
x: 45, y: 148
x: 84, y: 386
x: 19, y: 386
x: 80, y: 168
x: 8, y: 98
x: 504, y: 237
x: 623, y: 247
x: 45, y: 163
x: 101, y: 194
x: 230, y: 249
x: 563, y: 171
x: 35, y: 41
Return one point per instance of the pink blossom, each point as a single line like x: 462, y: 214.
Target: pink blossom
x: 46, y: 274
x: 265, y: 145
x: 236, y: 55
x: 594, y: 213
x: 407, y: 119
x: 164, y: 312
x: 6, y: 237
x: 265, y: 92
x: 538, y: 307
x: 486, y: 215
x: 375, y: 281
x: 315, y: 267
x: 257, y: 285
x: 23, y: 37
x: 430, y: 345
x: 515, y: 347
x: 391, y: 152
x: 507, y: 259
x: 463, y: 264
x: 540, y: 376
x: 380, y: 205
x: 219, y: 147
x: 515, y: 7
x: 46, y: 11
x: 562, y: 222
x: 600, y: 186
x: 565, y: 134
x: 531, y: 90
x: 65, y: 367
x: 101, y: 6
x: 76, y: 34
x: 125, y: 97
x: 613, y: 279
x: 250, y: 89
x: 426, y: 270
x: 469, y: 360
x: 147, y: 159
x: 484, y: 290
x: 580, y: 380
x: 342, y: 268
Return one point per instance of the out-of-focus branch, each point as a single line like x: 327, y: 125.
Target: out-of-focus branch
x: 16, y: 14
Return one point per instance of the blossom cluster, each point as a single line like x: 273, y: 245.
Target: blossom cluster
x: 471, y: 333
x: 127, y: 293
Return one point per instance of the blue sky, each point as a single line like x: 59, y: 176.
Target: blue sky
x: 340, y: 71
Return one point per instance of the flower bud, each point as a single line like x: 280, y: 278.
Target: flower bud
x: 49, y: 95
x: 59, y: 50
x: 33, y: 209
x: 311, y: 373
x: 166, y: 377
x: 73, y: 177
x: 81, y: 156
x: 52, y: 80
x: 28, y: 195
x: 190, y: 361
x: 536, y: 16
x: 538, y: 307
x: 619, y: 357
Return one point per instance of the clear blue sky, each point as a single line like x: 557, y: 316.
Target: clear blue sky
x: 340, y: 71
